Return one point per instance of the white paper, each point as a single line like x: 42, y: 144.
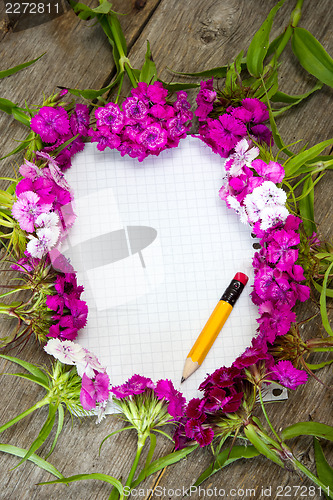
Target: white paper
x: 155, y: 247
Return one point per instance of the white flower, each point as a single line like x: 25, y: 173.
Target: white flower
x: 47, y: 238
x: 268, y: 194
x: 251, y: 207
x: 272, y: 215
x: 239, y: 209
x: 243, y: 156
x: 49, y: 220
x: 66, y: 351
x: 101, y: 411
x: 89, y: 365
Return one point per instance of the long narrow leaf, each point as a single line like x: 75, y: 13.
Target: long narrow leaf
x: 308, y: 429
x: 319, y: 366
x: 148, y: 72
x: 293, y: 164
x: 225, y: 458
x: 295, y: 103
x: 312, y: 55
x: 19, y: 148
x: 84, y: 477
x: 175, y: 86
x: 306, y: 206
x: 260, y: 43
x: 34, y: 370
x: 42, y: 464
x: 11, y: 71
x: 43, y: 434
x: 261, y: 446
x: 324, y: 470
x: 31, y: 378
x: 93, y: 94
x: 322, y: 301
x: 294, y: 99
x: 162, y: 462
x: 329, y: 291
x: 61, y: 415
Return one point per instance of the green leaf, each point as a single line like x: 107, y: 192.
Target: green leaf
x: 20, y: 452
x: 84, y: 477
x: 13, y: 109
x: 308, y: 429
x: 260, y: 43
x: 324, y: 470
x: 11, y: 71
x: 319, y: 288
x: 82, y: 11
x: 31, y: 378
x: 293, y: 164
x: 322, y: 301
x: 276, y: 134
x: 93, y: 94
x: 148, y: 73
x: 162, y: 462
x: 225, y: 458
x: 271, y: 86
x: 174, y: 87
x: 312, y: 55
x: 294, y: 102
x: 294, y: 99
x: 261, y: 446
x: 233, y: 73
x: 61, y: 415
x: 306, y: 207
x: 43, y: 434
x: 34, y: 370
x: 113, y: 433
x: 319, y: 365
x: 150, y: 454
x: 19, y: 148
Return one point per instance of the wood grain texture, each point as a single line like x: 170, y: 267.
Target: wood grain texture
x: 186, y: 36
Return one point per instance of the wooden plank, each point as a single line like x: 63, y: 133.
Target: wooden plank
x: 186, y: 36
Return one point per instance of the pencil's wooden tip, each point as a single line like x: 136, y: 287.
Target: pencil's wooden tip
x: 189, y: 368
x: 182, y: 380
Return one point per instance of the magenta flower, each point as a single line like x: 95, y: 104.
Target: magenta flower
x: 62, y: 332
x: 135, y: 385
x: 272, y: 172
x: 261, y: 133
x: 50, y: 123
x: 195, y: 408
x: 111, y: 117
x: 27, y: 208
x: 156, y: 93
x: 257, y: 109
x: 195, y: 429
x: 205, y: 99
x: 275, y: 320
x: 227, y: 131
x: 288, y: 375
x: 104, y: 138
x: 154, y: 137
x: 80, y: 120
x: 41, y: 186
x: 165, y: 390
x: 93, y: 391
x: 134, y: 110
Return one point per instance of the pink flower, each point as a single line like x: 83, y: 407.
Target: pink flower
x: 111, y: 117
x: 227, y: 131
x: 93, y: 391
x: 289, y: 376
x: 242, y: 156
x: 135, y: 385
x: 205, y: 99
x: 195, y: 429
x: 165, y: 390
x: 153, y: 137
x: 50, y: 123
x: 272, y: 172
x: 79, y: 120
x: 27, y: 208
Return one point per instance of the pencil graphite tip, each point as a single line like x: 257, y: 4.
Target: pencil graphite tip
x: 182, y: 380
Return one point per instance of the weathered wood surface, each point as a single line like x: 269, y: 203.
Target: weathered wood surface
x: 184, y: 36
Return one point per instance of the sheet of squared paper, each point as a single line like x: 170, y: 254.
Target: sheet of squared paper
x: 155, y: 248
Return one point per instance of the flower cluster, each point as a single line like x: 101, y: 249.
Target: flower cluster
x: 146, y: 125
x: 71, y: 311
x: 162, y: 390
x: 55, y: 126
x: 239, y: 121
x: 41, y: 194
x: 95, y: 380
x: 250, y: 188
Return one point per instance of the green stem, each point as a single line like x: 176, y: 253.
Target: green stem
x: 266, y: 417
x: 313, y: 478
x: 19, y: 417
x: 294, y: 20
x: 141, y: 443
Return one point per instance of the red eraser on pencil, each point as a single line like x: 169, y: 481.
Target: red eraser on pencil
x: 241, y: 277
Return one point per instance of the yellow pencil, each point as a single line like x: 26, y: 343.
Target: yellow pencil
x: 214, y: 325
